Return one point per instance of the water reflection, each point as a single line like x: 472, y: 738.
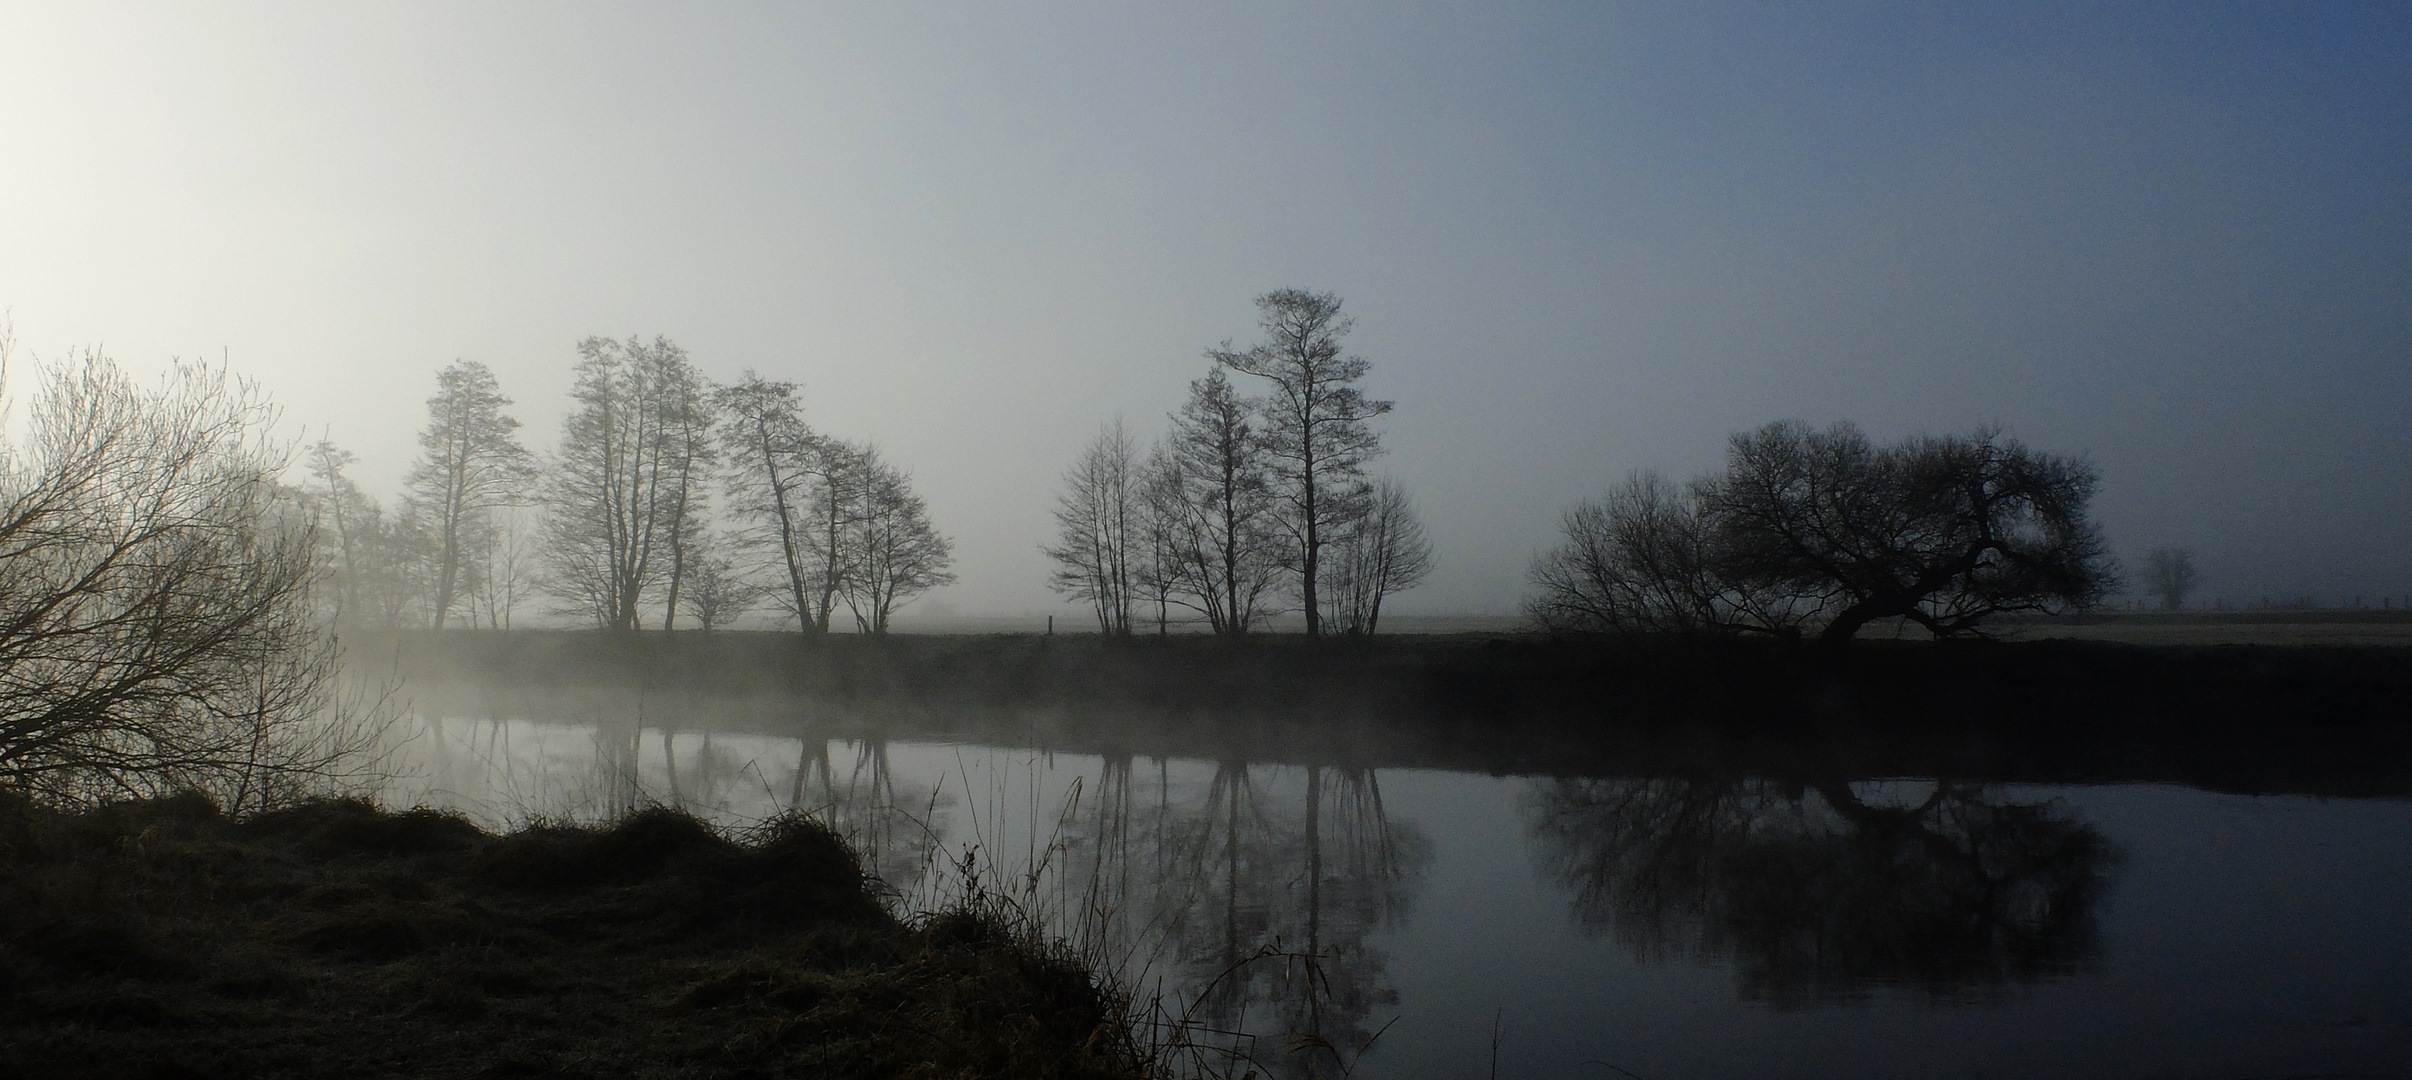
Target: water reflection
x: 1830, y: 890
x: 1251, y: 897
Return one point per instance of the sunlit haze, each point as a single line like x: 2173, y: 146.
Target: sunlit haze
x: 1578, y: 240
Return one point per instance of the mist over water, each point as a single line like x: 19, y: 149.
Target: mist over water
x: 1699, y: 924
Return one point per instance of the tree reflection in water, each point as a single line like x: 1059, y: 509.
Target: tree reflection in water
x: 1253, y: 896
x: 1828, y: 891
x: 1272, y: 904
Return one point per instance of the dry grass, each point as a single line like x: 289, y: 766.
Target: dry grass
x: 162, y: 939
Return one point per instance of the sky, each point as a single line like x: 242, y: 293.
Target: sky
x: 1578, y: 239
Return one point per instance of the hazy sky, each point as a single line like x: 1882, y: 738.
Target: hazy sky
x: 1579, y: 239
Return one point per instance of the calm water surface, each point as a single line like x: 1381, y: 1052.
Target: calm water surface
x: 1412, y: 923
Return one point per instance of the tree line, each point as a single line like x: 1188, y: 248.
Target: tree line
x: 1247, y: 507
x: 618, y: 527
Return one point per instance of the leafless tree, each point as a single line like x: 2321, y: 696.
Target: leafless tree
x: 470, y: 463
x: 891, y: 552
x: 505, y: 562
x: 1644, y: 559
x: 1099, y: 528
x: 1942, y: 531
x: 624, y: 496
x: 378, y: 561
x: 1822, y: 530
x: 156, y: 621
x: 2170, y: 574
x: 342, y: 510
x: 1384, y: 551
x: 1316, y: 437
x: 779, y: 485
x: 717, y: 591
x: 1212, y: 509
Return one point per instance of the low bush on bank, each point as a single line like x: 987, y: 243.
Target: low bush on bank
x: 163, y: 938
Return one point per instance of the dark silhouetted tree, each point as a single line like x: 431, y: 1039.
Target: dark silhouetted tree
x: 1220, y: 548
x: 2170, y: 574
x: 470, y: 464
x: 157, y: 629
x: 1100, y: 530
x: 1823, y: 530
x: 889, y: 549
x: 624, y: 495
x: 787, y: 485
x: 1383, y: 552
x: 1316, y: 438
x: 1643, y: 559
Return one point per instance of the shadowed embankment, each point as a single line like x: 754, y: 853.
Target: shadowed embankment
x: 2266, y: 719
x: 163, y: 939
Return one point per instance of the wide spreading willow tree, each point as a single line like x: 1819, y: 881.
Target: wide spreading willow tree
x: 156, y: 626
x: 1823, y: 532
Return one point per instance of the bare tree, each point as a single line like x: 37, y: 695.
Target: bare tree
x: 778, y: 483
x: 1644, y: 560
x: 1384, y: 551
x: 1316, y: 437
x: 343, y: 510
x: 1822, y: 529
x: 623, y: 496
x: 1098, y: 528
x: 1942, y: 531
x: 2170, y: 574
x: 156, y: 623
x: 717, y: 590
x: 378, y: 562
x: 890, y: 551
x: 1220, y: 548
x: 470, y: 463
x: 505, y: 564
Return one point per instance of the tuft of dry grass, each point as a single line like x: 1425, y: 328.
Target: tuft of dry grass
x: 164, y: 939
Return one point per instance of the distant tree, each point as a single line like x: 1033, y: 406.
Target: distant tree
x: 1220, y: 548
x: 1098, y: 520
x: 1383, y: 552
x: 2169, y: 573
x: 1316, y: 438
x: 157, y: 630
x: 624, y: 496
x: 1645, y: 559
x: 378, y: 563
x: 891, y: 552
x: 505, y: 562
x: 717, y: 590
x: 781, y: 483
x: 1822, y: 530
x: 343, y: 513
x: 470, y: 464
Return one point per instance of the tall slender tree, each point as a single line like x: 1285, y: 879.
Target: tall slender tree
x: 1097, y: 535
x: 470, y: 463
x: 779, y: 479
x: 1317, y: 439
x: 622, y: 497
x: 1212, y: 507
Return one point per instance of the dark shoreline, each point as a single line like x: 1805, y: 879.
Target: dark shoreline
x: 2317, y: 720
x: 162, y: 939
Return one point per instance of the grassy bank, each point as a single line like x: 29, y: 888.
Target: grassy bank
x: 2314, y: 720
x: 162, y: 939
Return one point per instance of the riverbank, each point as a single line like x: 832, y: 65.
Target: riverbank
x: 162, y: 939
x: 2303, y: 720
